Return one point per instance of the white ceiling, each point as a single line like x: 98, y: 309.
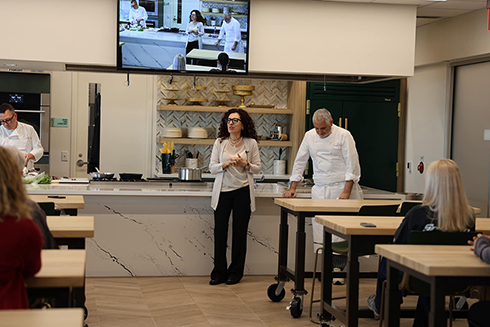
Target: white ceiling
x: 431, y: 11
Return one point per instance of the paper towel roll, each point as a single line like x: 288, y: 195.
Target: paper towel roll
x: 279, y: 167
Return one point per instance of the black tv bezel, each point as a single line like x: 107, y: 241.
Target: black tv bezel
x: 119, y: 64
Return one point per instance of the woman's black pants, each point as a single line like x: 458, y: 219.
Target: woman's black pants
x: 238, y: 202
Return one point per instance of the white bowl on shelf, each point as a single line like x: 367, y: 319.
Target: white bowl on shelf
x: 172, y: 132
x: 197, y: 133
x: 216, y: 10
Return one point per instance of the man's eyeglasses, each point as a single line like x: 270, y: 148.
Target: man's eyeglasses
x: 7, y: 120
x: 233, y: 120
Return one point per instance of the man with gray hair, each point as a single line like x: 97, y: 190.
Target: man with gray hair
x: 230, y: 29
x: 336, y: 170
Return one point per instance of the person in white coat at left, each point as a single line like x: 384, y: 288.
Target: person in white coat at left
x: 234, y: 160
x: 336, y: 169
x: 230, y: 29
x: 137, y: 14
x: 19, y: 135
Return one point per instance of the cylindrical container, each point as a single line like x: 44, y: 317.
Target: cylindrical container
x: 166, y: 163
x: 190, y: 162
x: 279, y: 167
x: 190, y: 174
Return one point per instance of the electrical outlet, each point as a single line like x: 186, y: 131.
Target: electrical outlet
x: 64, y: 156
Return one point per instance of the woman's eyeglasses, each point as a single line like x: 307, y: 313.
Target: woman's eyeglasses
x: 233, y: 120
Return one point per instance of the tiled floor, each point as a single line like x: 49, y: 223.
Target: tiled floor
x: 191, y: 301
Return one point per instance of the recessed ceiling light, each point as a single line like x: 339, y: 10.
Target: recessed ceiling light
x: 10, y: 65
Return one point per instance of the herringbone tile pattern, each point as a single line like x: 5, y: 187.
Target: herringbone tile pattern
x: 267, y: 92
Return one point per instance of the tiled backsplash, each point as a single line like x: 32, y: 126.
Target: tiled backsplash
x: 267, y: 92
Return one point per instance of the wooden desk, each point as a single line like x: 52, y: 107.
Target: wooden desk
x: 72, y: 230
x: 69, y: 203
x: 302, y: 208
x: 361, y: 242
x: 71, y: 227
x: 42, y: 318
x: 438, y: 265
x: 60, y: 268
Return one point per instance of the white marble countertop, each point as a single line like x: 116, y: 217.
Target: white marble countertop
x: 172, y: 189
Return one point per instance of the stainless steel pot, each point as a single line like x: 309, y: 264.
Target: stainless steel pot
x: 190, y: 174
x: 99, y: 175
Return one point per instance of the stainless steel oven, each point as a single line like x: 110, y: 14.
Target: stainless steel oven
x: 33, y: 109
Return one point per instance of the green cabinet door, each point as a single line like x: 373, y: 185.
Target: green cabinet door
x: 374, y: 126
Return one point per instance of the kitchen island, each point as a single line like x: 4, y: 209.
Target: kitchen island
x: 166, y: 229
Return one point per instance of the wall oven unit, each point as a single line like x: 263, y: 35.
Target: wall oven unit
x: 33, y: 109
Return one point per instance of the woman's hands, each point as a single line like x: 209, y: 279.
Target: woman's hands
x: 236, y: 162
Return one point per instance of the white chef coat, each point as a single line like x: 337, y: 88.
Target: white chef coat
x: 135, y: 14
x: 195, y: 37
x: 232, y: 32
x: 335, y: 161
x: 24, y: 138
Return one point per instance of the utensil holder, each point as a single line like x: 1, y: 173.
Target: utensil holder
x: 167, y: 163
x: 279, y: 167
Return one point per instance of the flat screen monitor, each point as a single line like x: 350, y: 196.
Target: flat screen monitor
x: 195, y: 36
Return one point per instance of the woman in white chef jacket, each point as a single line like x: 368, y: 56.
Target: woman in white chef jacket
x: 234, y: 160
x: 195, y: 31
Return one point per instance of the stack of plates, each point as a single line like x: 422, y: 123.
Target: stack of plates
x: 172, y: 132
x: 216, y: 10
x: 197, y: 133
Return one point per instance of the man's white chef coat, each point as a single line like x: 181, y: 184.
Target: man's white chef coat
x: 24, y: 138
x: 232, y: 32
x: 335, y: 161
x: 135, y: 14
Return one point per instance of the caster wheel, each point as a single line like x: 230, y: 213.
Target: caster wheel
x: 85, y: 312
x: 296, y: 308
x: 271, y: 292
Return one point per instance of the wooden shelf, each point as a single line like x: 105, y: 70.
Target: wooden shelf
x: 225, y: 109
x: 226, y: 1
x: 211, y: 142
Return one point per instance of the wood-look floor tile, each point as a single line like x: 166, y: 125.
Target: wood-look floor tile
x: 168, y: 299
x: 222, y: 320
x: 178, y: 316
x: 237, y: 310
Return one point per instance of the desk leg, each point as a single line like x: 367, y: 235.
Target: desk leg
x: 353, y: 282
x: 300, y: 256
x: 437, y: 314
x: 327, y: 268
x: 392, y: 303
x: 283, y: 245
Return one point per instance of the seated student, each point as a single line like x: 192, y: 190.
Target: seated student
x: 445, y: 208
x: 179, y: 62
x: 223, y: 62
x: 478, y: 314
x: 20, y: 239
x: 38, y: 214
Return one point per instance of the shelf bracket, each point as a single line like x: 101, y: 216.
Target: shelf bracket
x: 194, y: 81
x: 324, y: 83
x: 171, y: 79
x: 127, y: 79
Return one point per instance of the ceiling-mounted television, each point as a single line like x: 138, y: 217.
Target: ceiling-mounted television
x: 187, y: 36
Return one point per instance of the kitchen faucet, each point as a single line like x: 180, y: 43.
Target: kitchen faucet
x: 261, y: 179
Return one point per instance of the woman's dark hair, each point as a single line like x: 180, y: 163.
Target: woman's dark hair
x: 199, y: 17
x: 223, y: 60
x: 247, y: 122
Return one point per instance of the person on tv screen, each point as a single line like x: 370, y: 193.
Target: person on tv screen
x: 223, y: 62
x: 195, y: 31
x: 179, y: 62
x: 137, y: 14
x: 230, y: 29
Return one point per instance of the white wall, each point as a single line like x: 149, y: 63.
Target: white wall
x: 290, y: 36
x: 461, y: 37
x: 67, y: 31
x: 126, y: 122
x: 426, y: 121
x: 318, y: 37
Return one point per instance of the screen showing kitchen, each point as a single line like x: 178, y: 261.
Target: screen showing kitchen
x: 183, y: 35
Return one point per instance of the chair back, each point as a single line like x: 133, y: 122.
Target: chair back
x: 48, y: 208
x: 406, y: 206
x: 412, y: 284
x: 378, y: 210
